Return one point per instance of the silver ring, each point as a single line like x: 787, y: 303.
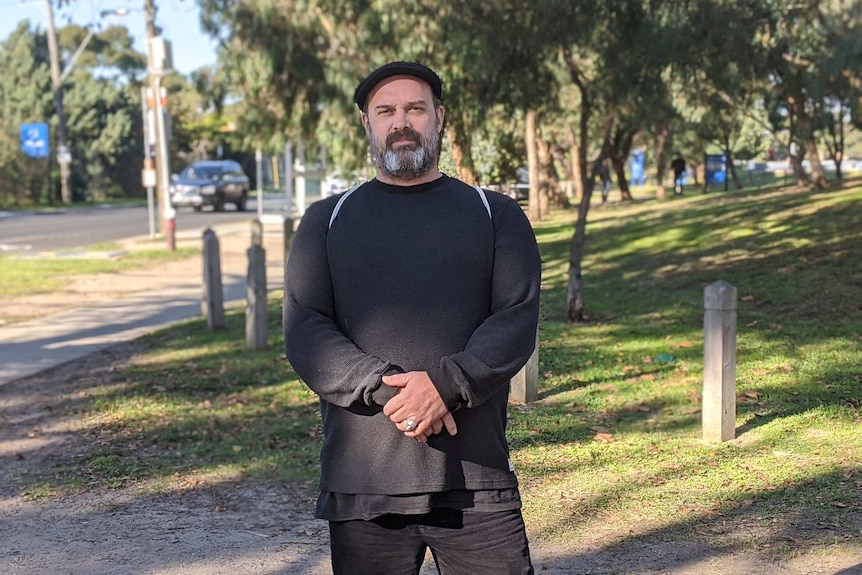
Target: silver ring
x: 409, y: 424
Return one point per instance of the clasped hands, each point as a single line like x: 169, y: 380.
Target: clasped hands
x: 418, y: 399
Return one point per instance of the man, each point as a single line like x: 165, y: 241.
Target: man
x: 678, y: 167
x: 410, y: 301
x: 605, y: 177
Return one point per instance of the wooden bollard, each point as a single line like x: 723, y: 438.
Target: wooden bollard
x: 719, y: 362
x: 256, y: 303
x: 524, y: 387
x: 212, y: 302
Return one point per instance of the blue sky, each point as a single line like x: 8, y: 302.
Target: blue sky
x: 179, y: 20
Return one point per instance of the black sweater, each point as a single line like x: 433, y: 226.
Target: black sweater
x: 418, y: 278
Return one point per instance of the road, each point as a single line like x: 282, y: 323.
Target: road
x: 51, y: 230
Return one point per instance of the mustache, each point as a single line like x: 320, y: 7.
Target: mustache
x: 404, y: 134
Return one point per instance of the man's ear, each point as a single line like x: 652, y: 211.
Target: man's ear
x: 363, y: 117
x: 441, y: 115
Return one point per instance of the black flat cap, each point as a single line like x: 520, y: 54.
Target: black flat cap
x: 427, y: 75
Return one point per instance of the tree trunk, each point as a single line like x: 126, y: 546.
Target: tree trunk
x: 575, y: 293
x: 563, y: 186
x: 659, y: 142
x: 732, y: 167
x: 836, y: 135
x: 798, y: 170
x: 576, y: 165
x: 699, y: 170
x: 461, y: 156
x: 533, y: 209
x: 620, y: 148
x: 806, y: 132
x: 544, y: 156
x: 818, y: 175
x: 620, y: 171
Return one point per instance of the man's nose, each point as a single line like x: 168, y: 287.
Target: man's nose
x: 400, y: 120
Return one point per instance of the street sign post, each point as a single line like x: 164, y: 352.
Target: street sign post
x: 637, y: 168
x: 64, y: 156
x: 715, y: 170
x: 34, y: 140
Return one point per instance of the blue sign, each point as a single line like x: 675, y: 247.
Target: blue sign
x: 34, y: 140
x: 637, y: 168
x: 716, y: 169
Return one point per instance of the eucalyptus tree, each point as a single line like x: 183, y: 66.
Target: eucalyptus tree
x: 102, y: 102
x: 641, y: 48
x: 658, y: 137
x: 613, y: 55
x: 104, y: 129
x: 25, y: 97
x: 295, y: 63
x: 841, y: 22
x: 800, y: 44
x: 109, y: 52
x: 272, y: 56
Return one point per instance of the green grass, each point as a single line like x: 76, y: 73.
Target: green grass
x: 28, y: 276
x: 634, y: 371
x: 613, y: 446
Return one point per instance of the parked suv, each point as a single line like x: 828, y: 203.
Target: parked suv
x: 211, y: 183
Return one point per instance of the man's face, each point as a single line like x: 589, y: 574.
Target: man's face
x: 403, y: 128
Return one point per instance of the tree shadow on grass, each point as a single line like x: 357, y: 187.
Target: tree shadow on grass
x: 743, y: 537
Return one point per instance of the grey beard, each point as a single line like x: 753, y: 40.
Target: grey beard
x: 406, y: 164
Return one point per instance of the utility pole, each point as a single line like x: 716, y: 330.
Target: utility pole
x: 167, y: 215
x: 63, y: 156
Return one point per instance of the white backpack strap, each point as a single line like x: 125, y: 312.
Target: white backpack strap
x: 484, y: 199
x: 341, y: 201
x: 344, y: 197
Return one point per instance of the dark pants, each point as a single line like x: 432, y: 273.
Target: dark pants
x: 463, y: 543
x: 677, y: 182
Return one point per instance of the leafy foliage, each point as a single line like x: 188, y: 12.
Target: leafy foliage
x: 25, y: 96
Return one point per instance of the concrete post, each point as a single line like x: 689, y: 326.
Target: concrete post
x: 524, y: 387
x: 257, y: 232
x: 212, y: 304
x: 256, y: 302
x: 719, y: 362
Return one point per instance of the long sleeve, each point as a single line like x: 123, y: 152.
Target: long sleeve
x: 502, y: 344
x: 330, y: 363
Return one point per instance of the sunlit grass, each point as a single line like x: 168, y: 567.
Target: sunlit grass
x: 28, y: 276
x: 616, y: 439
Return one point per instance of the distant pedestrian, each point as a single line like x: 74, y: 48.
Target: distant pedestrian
x: 678, y: 167
x: 605, y: 177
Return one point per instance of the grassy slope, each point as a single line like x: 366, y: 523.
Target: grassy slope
x: 612, y: 450
x: 635, y: 371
